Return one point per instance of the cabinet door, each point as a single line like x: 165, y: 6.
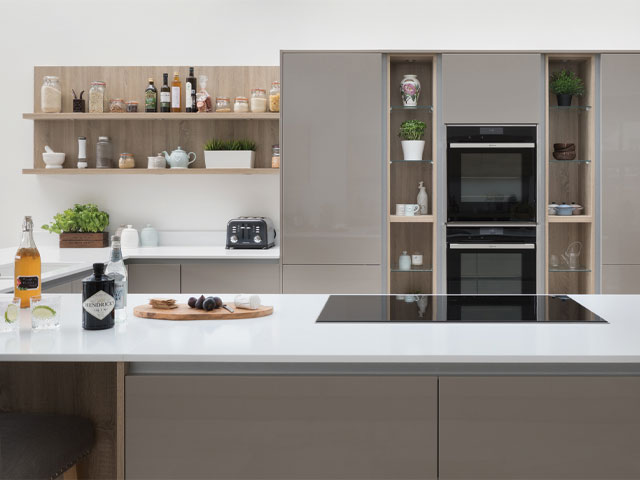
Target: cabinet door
x: 332, y: 158
x: 539, y: 427
x: 331, y: 279
x: 624, y: 279
x: 154, y: 278
x: 492, y: 88
x: 231, y: 277
x: 620, y: 84
x: 281, y: 427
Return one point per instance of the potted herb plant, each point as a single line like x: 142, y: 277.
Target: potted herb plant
x: 565, y: 84
x: 83, y: 226
x: 411, y: 135
x: 229, y: 153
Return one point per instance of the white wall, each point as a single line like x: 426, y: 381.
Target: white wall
x: 241, y: 32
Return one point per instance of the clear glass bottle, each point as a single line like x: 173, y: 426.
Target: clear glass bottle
x: 258, y: 100
x: 27, y: 266
x: 97, y: 97
x: 274, y: 97
x: 104, y: 153
x: 98, y: 302
x: 51, y: 95
x: 117, y: 270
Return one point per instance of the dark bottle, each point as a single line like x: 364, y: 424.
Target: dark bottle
x: 165, y: 94
x: 98, y: 302
x: 151, y: 97
x: 191, y: 85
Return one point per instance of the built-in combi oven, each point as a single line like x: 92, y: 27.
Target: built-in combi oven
x: 491, y: 260
x: 491, y: 173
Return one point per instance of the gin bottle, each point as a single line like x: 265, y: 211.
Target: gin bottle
x: 117, y: 271
x: 97, y: 300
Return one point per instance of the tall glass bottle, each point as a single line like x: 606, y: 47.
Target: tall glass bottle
x: 27, y: 266
x: 176, y: 93
x: 116, y: 270
x: 165, y: 94
x: 151, y: 97
x: 191, y: 86
x: 97, y: 300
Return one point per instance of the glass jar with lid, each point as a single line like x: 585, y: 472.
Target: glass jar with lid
x: 117, y: 105
x: 258, y: 101
x: 241, y: 105
x: 223, y: 104
x: 132, y: 106
x: 51, y: 95
x: 126, y: 161
x: 274, y: 97
x: 275, y: 156
x: 104, y: 153
x: 97, y: 97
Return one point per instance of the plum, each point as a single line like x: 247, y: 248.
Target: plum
x: 218, y: 301
x: 192, y: 302
x: 209, y: 304
x: 199, y: 302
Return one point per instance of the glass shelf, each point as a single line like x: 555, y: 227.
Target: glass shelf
x: 553, y: 160
x: 418, y: 162
x: 570, y: 270
x: 584, y: 108
x: 427, y: 108
x: 413, y: 269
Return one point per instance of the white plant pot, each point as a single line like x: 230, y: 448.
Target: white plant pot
x: 229, y: 158
x: 412, y: 149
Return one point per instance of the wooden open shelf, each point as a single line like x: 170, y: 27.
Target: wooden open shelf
x: 151, y: 171
x: 570, y: 218
x: 415, y: 233
x: 151, y: 116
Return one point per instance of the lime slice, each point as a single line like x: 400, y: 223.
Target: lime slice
x: 11, y: 315
x: 43, y: 312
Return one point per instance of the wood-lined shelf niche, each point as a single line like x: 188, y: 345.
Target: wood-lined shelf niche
x: 415, y: 234
x: 146, y: 134
x: 571, y: 180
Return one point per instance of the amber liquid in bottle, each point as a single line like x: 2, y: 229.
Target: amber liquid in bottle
x: 176, y: 93
x: 27, y: 267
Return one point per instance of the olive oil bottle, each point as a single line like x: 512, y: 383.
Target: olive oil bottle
x: 27, y: 266
x: 151, y: 97
x: 176, y: 93
x: 165, y: 94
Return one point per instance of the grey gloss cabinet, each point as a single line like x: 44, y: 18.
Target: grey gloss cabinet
x: 492, y: 88
x: 332, y: 158
x: 342, y: 279
x: 539, y: 427
x: 620, y: 132
x: 231, y: 277
x: 281, y: 427
x: 154, y: 278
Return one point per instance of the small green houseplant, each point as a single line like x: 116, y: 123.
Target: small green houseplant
x: 564, y: 85
x: 83, y: 226
x: 412, y: 139
x: 229, y: 153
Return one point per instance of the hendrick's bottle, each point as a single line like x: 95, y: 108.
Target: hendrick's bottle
x: 98, y: 302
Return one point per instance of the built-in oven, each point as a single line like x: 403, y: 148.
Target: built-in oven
x: 491, y: 260
x: 491, y: 173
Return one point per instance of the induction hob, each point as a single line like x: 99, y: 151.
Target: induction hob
x: 455, y: 309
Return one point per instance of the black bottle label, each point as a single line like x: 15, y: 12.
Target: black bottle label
x: 28, y: 283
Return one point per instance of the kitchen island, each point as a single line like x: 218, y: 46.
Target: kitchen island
x: 285, y: 397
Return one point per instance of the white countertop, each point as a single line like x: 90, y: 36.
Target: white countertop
x: 291, y: 336
x: 70, y: 261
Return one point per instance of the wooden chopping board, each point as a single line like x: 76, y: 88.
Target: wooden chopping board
x: 185, y: 312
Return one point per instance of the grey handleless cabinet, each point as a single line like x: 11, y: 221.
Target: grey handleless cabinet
x: 492, y: 88
x: 332, y: 151
x: 620, y: 99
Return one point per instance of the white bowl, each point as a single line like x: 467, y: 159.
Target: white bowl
x: 53, y: 160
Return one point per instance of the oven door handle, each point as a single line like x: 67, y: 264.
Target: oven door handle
x: 492, y: 246
x: 492, y: 145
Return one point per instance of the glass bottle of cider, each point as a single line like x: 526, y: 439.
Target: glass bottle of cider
x: 27, y: 266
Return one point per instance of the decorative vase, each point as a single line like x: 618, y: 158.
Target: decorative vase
x: 412, y: 149
x: 423, y: 199
x: 410, y: 90
x: 564, y: 99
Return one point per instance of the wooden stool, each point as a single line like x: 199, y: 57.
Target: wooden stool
x: 42, y: 446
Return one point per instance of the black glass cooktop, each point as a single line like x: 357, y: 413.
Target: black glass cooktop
x: 455, y: 309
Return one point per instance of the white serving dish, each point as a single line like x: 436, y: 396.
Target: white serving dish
x: 229, y: 159
x: 53, y: 160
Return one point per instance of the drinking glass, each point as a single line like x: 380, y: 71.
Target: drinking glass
x: 45, y: 312
x: 9, y: 314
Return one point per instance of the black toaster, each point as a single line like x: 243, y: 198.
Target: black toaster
x: 251, y: 232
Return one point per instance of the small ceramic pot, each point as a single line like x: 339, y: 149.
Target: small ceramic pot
x: 410, y: 90
x: 564, y: 100
x: 564, y: 210
x: 412, y: 149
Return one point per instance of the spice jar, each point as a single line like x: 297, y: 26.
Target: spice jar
x: 126, y: 161
x: 241, y: 105
x: 96, y: 97
x: 104, y: 153
x: 275, y: 156
x: 223, y: 104
x: 132, y: 106
x: 274, y: 97
x: 51, y: 95
x: 116, y: 105
x: 258, y: 100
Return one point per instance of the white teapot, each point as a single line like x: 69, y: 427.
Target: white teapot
x: 179, y: 158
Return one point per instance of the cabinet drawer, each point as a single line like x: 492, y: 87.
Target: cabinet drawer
x: 331, y: 279
x: 154, y: 278
x: 231, y: 277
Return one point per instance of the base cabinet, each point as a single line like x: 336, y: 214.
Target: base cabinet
x: 231, y: 277
x: 332, y: 279
x: 281, y: 427
x: 154, y: 278
x: 539, y: 428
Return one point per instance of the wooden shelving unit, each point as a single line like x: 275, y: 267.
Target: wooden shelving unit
x: 415, y: 233
x: 572, y: 180
x: 146, y: 134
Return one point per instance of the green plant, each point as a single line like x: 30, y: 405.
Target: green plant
x: 412, y: 130
x: 79, y: 219
x: 566, y: 82
x: 216, y: 144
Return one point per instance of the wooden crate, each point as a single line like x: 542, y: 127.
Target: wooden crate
x: 84, y: 240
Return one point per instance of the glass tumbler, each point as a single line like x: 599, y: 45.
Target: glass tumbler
x: 45, y: 312
x: 9, y: 314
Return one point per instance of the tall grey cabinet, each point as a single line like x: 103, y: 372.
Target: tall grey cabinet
x: 620, y: 133
x: 332, y: 164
